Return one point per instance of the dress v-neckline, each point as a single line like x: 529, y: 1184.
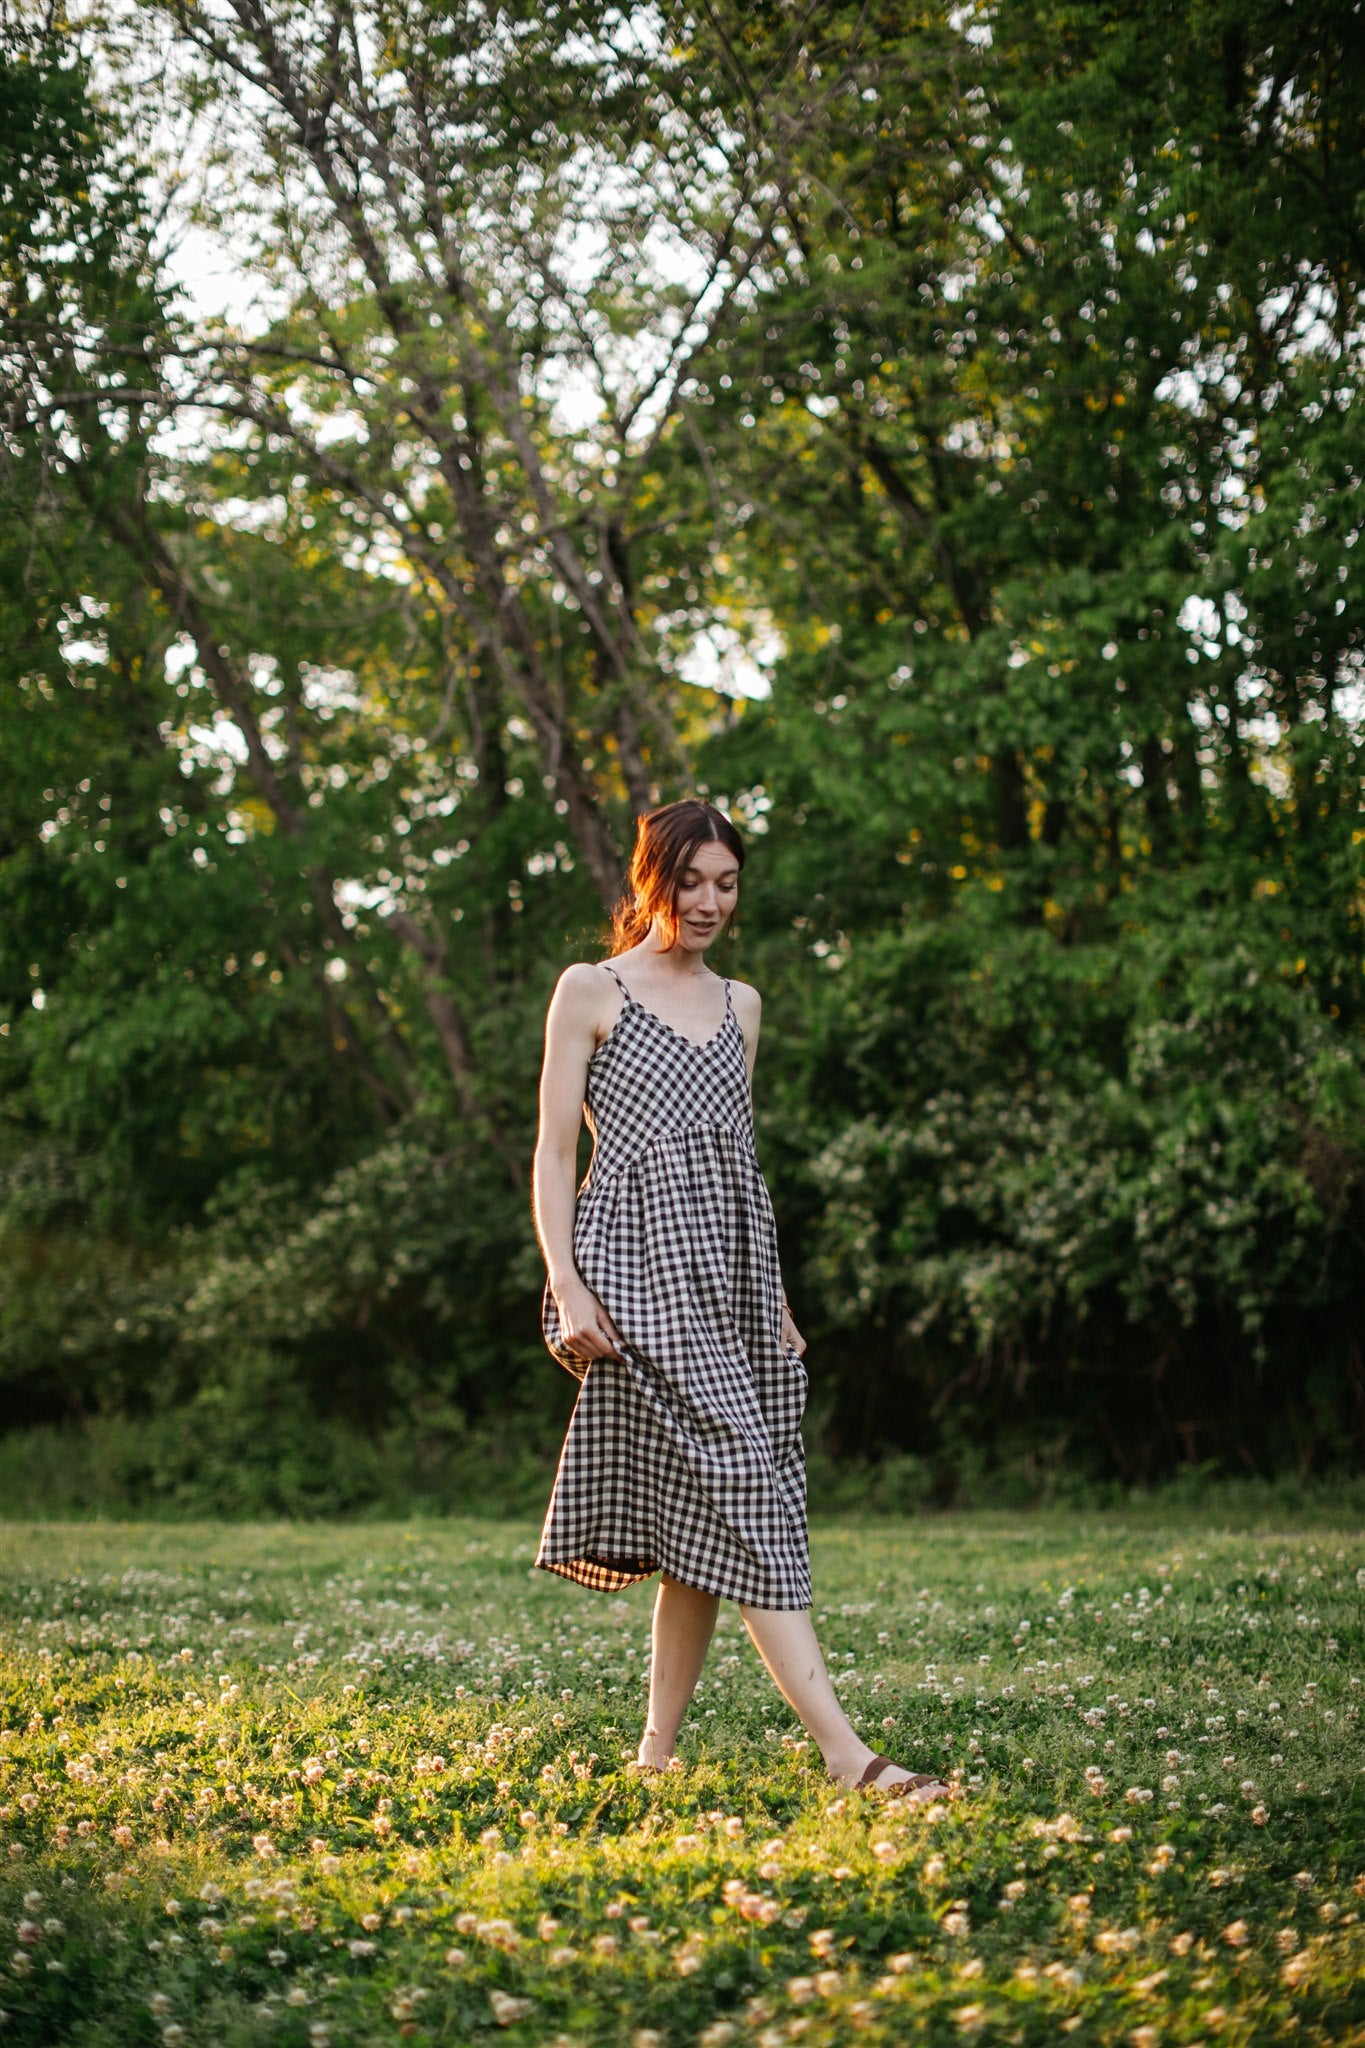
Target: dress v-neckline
x: 697, y: 1045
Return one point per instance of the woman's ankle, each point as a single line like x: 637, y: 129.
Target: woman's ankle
x: 846, y: 1764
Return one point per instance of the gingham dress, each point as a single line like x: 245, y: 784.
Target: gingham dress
x: 686, y: 1455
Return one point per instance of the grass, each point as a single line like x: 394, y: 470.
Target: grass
x: 338, y: 1785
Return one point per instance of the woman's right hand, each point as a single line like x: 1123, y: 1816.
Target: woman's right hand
x: 586, y: 1329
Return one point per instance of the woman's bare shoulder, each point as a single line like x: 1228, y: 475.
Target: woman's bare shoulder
x: 747, y: 1001
x: 583, y: 974
x: 583, y: 990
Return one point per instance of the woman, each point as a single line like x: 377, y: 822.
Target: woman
x: 664, y: 1297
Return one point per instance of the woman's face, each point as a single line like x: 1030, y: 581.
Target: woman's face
x: 708, y: 889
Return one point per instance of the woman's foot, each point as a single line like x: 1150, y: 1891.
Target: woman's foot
x: 652, y: 1755
x: 872, y: 1772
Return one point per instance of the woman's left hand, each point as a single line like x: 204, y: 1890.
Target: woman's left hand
x: 791, y: 1336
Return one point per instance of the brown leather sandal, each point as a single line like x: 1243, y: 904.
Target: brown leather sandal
x: 914, y: 1783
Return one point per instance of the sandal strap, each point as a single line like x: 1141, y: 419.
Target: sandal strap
x: 868, y: 1781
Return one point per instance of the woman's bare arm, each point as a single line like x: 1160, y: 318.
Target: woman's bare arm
x: 749, y: 1009
x: 571, y: 1031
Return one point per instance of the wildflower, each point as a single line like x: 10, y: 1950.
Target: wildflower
x: 123, y: 1835
x: 506, y: 2009
x: 883, y: 1851
x: 1215, y: 2017
x: 1286, y: 1941
x: 1120, y: 1834
x: 734, y: 1827
x: 969, y: 2017
x: 1294, y: 1972
x: 264, y: 1847
x: 1144, y: 2037
x: 605, y: 1945
x: 827, y: 1983
x: 361, y: 1948
x: 1235, y: 1934
x: 371, y: 1922
x: 899, y: 1964
x: 933, y: 1869
x: 1259, y: 1816
x: 717, y: 2035
x: 158, y: 2005
x: 1117, y: 1941
x: 957, y: 1924
x: 1181, y: 1944
x: 498, y: 1933
x: 646, y: 2037
x: 558, y: 1957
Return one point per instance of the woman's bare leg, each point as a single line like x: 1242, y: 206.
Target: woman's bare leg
x: 786, y: 1641
x: 684, y: 1618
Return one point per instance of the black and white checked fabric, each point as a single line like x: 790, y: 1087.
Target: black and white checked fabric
x: 686, y: 1456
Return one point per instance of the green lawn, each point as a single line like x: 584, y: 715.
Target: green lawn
x: 338, y: 1784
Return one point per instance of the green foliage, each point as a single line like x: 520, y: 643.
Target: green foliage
x: 1021, y: 415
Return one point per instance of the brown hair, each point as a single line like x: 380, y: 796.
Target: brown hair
x: 665, y: 840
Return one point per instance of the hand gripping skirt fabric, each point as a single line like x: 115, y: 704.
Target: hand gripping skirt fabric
x: 686, y: 1455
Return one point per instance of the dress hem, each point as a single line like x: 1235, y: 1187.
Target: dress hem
x: 617, y: 1578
